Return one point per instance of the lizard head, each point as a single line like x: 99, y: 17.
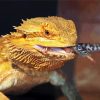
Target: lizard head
x: 50, y: 38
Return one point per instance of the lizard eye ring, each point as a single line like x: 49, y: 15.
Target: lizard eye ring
x: 47, y: 32
x: 24, y: 35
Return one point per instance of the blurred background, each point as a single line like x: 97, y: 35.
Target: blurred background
x: 86, y: 15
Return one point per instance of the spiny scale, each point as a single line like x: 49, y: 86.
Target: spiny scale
x: 20, y: 54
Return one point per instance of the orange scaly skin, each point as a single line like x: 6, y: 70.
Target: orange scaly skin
x: 32, y: 54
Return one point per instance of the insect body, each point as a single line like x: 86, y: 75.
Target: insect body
x: 86, y: 48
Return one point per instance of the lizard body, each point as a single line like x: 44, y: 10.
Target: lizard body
x: 32, y: 54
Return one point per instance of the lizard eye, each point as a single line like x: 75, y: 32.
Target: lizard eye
x: 47, y: 32
x: 24, y: 35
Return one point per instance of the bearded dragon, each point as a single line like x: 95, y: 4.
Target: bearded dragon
x: 34, y: 53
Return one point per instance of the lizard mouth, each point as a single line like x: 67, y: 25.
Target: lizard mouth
x: 55, y: 50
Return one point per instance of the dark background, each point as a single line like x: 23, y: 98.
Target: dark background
x: 12, y: 11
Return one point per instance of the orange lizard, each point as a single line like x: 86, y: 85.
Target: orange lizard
x: 34, y: 53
